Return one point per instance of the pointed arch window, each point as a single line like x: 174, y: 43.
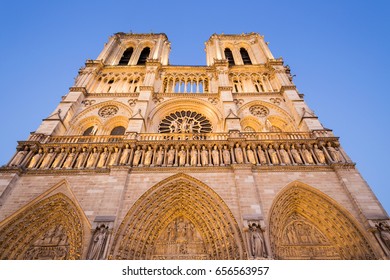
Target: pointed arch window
x: 126, y: 56
x: 245, y: 57
x: 143, y: 56
x: 89, y: 131
x: 229, y: 56
x: 118, y: 130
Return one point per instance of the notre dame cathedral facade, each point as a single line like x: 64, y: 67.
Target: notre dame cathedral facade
x: 147, y: 160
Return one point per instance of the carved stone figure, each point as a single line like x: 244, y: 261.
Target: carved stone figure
x: 113, y: 157
x: 182, y: 156
x: 81, y: 158
x: 256, y: 241
x: 319, y: 154
x: 174, y: 127
x: 17, y: 160
x: 251, y: 155
x: 238, y: 154
x: 160, y: 156
x: 334, y: 153
x: 307, y: 155
x: 98, y: 243
x: 137, y: 156
x: 295, y: 154
x: 47, y: 159
x: 92, y: 158
x: 102, y: 158
x: 125, y: 155
x: 226, y: 155
x: 284, y: 155
x: 273, y: 155
x: 204, y: 156
x: 35, y: 159
x: 384, y: 233
x: 194, y: 156
x: 171, y: 156
x: 148, y: 156
x: 261, y: 155
x: 69, y: 159
x: 57, y: 161
x: 215, y: 155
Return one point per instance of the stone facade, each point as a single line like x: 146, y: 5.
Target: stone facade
x: 146, y: 160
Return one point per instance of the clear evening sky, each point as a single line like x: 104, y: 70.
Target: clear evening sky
x: 338, y: 50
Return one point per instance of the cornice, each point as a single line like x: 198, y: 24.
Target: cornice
x: 78, y: 89
x: 118, y: 94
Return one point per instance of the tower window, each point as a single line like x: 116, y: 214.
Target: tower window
x: 143, y: 56
x: 126, y: 57
x: 118, y: 130
x: 229, y: 56
x: 245, y: 56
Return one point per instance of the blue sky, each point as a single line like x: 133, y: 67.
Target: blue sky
x: 338, y: 50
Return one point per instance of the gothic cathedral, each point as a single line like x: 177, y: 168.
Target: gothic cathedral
x: 147, y: 160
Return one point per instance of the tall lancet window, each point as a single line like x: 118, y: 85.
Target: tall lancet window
x: 245, y: 56
x: 143, y: 56
x: 126, y: 57
x: 229, y: 56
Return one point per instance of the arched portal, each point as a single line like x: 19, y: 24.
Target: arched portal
x: 307, y: 224
x: 49, y: 229
x: 179, y: 218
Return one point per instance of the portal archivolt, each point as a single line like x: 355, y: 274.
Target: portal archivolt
x: 306, y: 224
x: 179, y: 218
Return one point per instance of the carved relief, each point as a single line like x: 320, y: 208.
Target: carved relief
x: 108, y: 111
x: 259, y: 111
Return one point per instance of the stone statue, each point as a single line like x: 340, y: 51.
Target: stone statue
x: 35, y: 159
x: 98, y: 243
x: 226, y: 155
x: 307, y: 155
x: 204, y: 156
x: 81, y: 158
x: 171, y: 156
x: 160, y: 156
x: 319, y: 154
x: 113, y: 157
x: 238, y: 154
x: 102, y: 159
x: 47, y: 159
x: 148, y: 156
x: 137, y: 156
x: 215, y: 155
x: 384, y: 233
x: 273, y: 155
x: 182, y: 156
x: 261, y: 155
x: 284, y: 155
x: 69, y: 159
x: 295, y: 154
x: 250, y: 155
x: 334, y: 153
x: 194, y: 156
x: 57, y: 161
x: 174, y: 127
x: 256, y: 241
x: 125, y: 155
x: 92, y: 158
x: 17, y: 160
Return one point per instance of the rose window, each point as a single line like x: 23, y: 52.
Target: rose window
x: 259, y: 111
x: 108, y: 111
x: 185, y: 122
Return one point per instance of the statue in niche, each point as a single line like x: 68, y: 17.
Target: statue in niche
x: 171, y: 156
x: 256, y: 241
x: 295, y: 154
x: 47, y: 159
x: 137, y: 156
x: 69, y: 159
x: 215, y: 155
x: 261, y: 155
x: 148, y: 156
x: 384, y: 233
x: 160, y: 156
x: 204, y: 156
x: 307, y: 155
x: 125, y: 155
x: 319, y: 154
x: 103, y: 157
x: 273, y: 155
x: 182, y: 156
x: 35, y: 159
x: 92, y: 158
x: 284, y: 155
x: 81, y: 158
x: 238, y: 154
x: 334, y: 153
x: 194, y: 156
x: 113, y: 157
x: 17, y: 160
x: 57, y: 161
x: 251, y: 155
x: 174, y: 127
x: 98, y: 243
x: 226, y: 155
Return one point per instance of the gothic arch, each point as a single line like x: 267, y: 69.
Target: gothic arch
x: 250, y: 121
x: 151, y: 228
x: 304, y: 223
x: 48, y: 229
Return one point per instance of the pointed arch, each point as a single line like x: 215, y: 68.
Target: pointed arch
x: 304, y: 223
x: 154, y: 226
x: 51, y: 228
